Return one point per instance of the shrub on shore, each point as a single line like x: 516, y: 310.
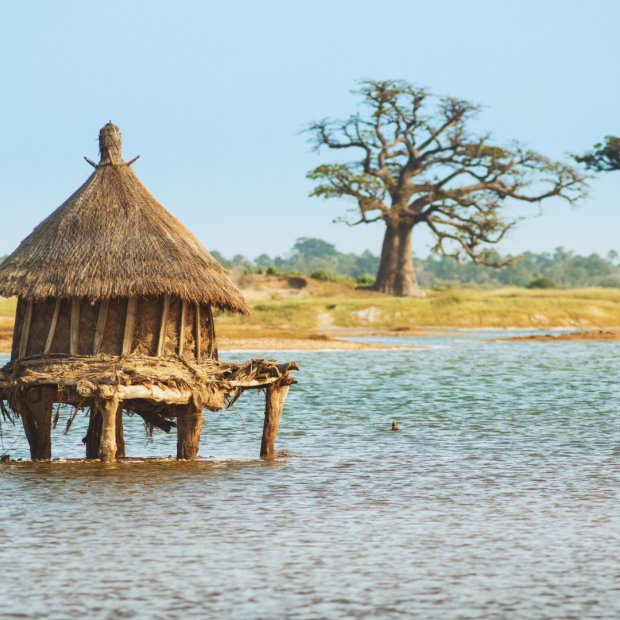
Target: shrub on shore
x: 542, y: 283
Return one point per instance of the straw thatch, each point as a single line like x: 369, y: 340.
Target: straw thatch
x: 112, y: 238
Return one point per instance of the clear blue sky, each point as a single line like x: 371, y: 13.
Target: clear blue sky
x: 212, y: 96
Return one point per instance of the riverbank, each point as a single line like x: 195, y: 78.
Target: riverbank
x: 297, y: 313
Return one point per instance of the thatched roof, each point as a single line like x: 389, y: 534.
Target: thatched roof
x: 113, y: 239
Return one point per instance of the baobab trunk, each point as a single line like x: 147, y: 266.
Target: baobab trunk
x: 396, y: 275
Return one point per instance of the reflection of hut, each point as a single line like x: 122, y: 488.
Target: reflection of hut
x: 114, y: 312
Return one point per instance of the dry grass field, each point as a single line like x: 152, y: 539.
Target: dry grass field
x: 308, y: 316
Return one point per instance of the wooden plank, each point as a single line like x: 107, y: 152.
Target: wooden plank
x: 211, y: 347
x: 183, y: 323
x: 103, y: 311
x: 50, y: 336
x: 198, y: 341
x: 130, y: 323
x: 75, y: 325
x: 23, y: 344
x: 164, y: 323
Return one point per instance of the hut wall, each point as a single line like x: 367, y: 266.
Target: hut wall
x: 114, y: 329
x: 42, y: 313
x: 146, y: 332
x: 148, y: 322
x: 20, y: 314
x: 62, y: 333
x: 89, y: 313
x: 189, y: 337
x: 172, y: 327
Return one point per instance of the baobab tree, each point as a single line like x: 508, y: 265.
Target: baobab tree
x: 419, y: 164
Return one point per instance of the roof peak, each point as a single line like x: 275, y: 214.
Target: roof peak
x: 110, y: 145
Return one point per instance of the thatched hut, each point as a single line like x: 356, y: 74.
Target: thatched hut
x: 115, y: 313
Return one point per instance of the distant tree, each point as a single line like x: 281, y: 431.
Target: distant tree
x: 420, y: 165
x: 315, y: 248
x: 221, y: 260
x: 604, y: 157
x: 264, y: 261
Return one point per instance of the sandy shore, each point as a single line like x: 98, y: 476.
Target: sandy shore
x: 291, y: 344
x: 595, y: 335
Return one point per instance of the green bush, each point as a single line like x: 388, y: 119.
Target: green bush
x: 365, y: 280
x: 324, y: 275
x: 542, y: 283
x: 293, y: 272
x: 609, y: 282
x: 272, y: 271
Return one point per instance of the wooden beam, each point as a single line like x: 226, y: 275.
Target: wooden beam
x: 23, y: 343
x: 211, y: 348
x: 92, y: 163
x: 184, y: 306
x: 75, y: 325
x: 130, y: 323
x: 198, y: 340
x: 133, y: 160
x: 164, y: 323
x: 103, y: 311
x: 50, y: 336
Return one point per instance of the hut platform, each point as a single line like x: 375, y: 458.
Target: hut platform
x: 166, y: 392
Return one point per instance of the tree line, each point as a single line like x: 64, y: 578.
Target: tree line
x: 315, y: 256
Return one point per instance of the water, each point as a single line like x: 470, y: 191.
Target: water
x: 498, y: 498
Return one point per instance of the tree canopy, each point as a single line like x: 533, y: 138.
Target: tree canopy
x: 604, y: 157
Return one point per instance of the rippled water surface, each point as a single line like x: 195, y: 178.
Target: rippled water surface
x: 498, y: 498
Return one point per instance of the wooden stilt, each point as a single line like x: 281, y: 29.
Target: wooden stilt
x: 23, y: 344
x: 93, y: 435
x: 75, y: 325
x: 103, y: 311
x: 50, y: 336
x: 108, y: 435
x: 130, y: 323
x: 189, y: 425
x: 274, y: 404
x: 198, y: 334
x: 183, y: 324
x: 161, y: 344
x: 36, y: 413
x: 30, y: 429
x: 120, y: 435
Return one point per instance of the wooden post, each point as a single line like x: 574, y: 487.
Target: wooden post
x: 184, y: 305
x: 130, y: 323
x: 161, y: 344
x: 93, y: 435
x: 274, y: 404
x: 103, y: 311
x: 50, y: 336
x: 198, y: 334
x: 189, y: 425
x: 23, y: 344
x: 75, y: 325
x: 108, y: 435
x: 120, y: 435
x: 36, y: 413
x: 211, y: 351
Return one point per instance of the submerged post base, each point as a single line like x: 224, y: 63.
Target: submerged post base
x: 274, y: 404
x: 108, y: 410
x: 189, y: 425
